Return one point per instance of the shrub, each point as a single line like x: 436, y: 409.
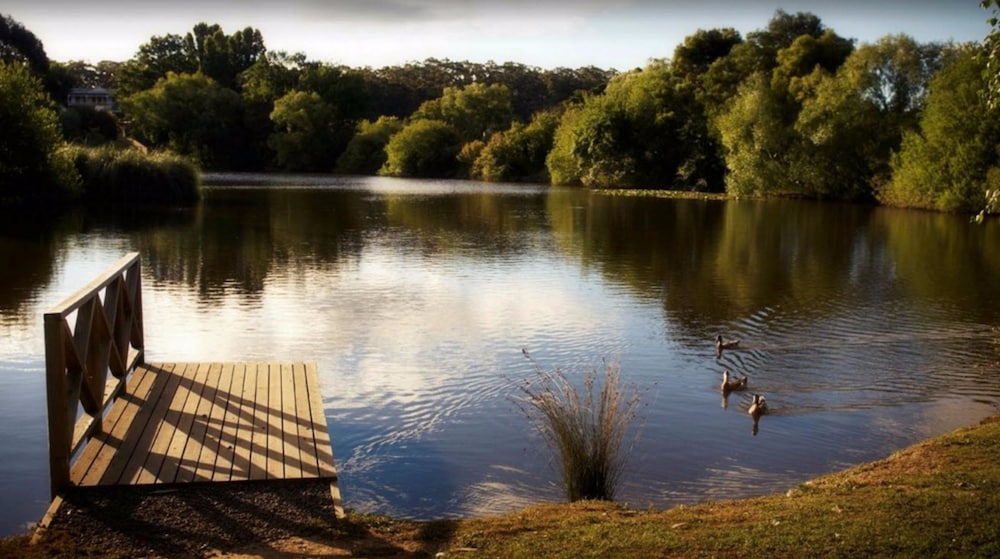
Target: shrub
x: 587, y: 429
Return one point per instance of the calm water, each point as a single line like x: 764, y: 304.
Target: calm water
x: 867, y: 329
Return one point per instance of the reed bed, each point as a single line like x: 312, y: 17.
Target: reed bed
x: 131, y: 177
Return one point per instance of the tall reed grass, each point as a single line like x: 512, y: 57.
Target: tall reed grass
x: 131, y: 177
x: 588, y: 429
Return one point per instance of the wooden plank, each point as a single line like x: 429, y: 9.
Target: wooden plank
x: 166, y: 416
x: 142, y: 432
x: 209, y: 459
x: 324, y: 452
x: 231, y: 427
x: 258, y: 444
x: 192, y: 385
x: 303, y: 423
x: 272, y: 414
x: 289, y: 424
x: 90, y: 466
x: 197, y: 452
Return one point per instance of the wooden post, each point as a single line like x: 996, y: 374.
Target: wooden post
x: 57, y: 392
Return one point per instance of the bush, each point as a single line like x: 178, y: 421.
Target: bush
x: 131, y: 177
x: 587, y: 430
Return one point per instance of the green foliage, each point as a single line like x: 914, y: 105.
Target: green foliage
x: 31, y: 169
x: 365, y: 154
x: 518, y: 153
x: 587, y: 429
x: 423, y: 148
x: 304, y: 137
x: 114, y: 176
x: 757, y: 54
x: 854, y: 120
x: 699, y: 51
x: 193, y: 116
x: 475, y: 111
x: 161, y: 56
x: 953, y: 160
x: 759, y: 143
x: 562, y: 165
x: 206, y: 49
x: 642, y: 132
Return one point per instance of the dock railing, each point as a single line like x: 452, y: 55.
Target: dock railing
x: 106, y: 336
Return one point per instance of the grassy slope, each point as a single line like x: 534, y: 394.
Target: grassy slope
x: 940, y: 498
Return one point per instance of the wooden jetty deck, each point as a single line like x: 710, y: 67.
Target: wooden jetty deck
x: 169, y: 423
x: 200, y: 422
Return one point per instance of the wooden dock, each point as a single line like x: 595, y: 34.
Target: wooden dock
x: 169, y: 423
x: 202, y: 422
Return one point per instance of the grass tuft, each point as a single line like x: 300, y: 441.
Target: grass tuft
x: 587, y: 429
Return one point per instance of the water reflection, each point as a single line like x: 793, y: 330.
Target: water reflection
x: 865, y: 328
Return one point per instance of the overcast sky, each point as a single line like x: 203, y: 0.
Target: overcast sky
x: 619, y: 34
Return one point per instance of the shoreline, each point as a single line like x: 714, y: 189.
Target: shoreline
x: 940, y: 496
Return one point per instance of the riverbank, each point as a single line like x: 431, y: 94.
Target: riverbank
x: 939, y: 498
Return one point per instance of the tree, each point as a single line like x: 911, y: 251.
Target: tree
x: 192, y: 115
x: 518, y: 153
x: 31, y: 168
x: 304, y: 132
x: 757, y: 54
x: 365, y: 154
x: 269, y: 78
x: 154, y: 60
x: 857, y: 118
x: 699, y: 51
x: 633, y: 135
x: 19, y: 44
x: 423, y: 148
x: 758, y: 139
x: 953, y: 160
x: 475, y: 111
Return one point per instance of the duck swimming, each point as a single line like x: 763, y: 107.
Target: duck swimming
x: 728, y: 385
x: 721, y: 345
x: 758, y: 407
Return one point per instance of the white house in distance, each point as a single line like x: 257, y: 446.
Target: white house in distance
x: 96, y: 98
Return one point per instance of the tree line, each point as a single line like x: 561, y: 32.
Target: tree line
x: 790, y: 109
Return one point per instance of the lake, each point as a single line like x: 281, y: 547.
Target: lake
x: 866, y: 328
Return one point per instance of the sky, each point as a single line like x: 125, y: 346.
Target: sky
x: 619, y: 34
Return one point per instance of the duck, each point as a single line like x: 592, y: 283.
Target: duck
x: 728, y: 386
x: 758, y: 407
x: 721, y: 345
